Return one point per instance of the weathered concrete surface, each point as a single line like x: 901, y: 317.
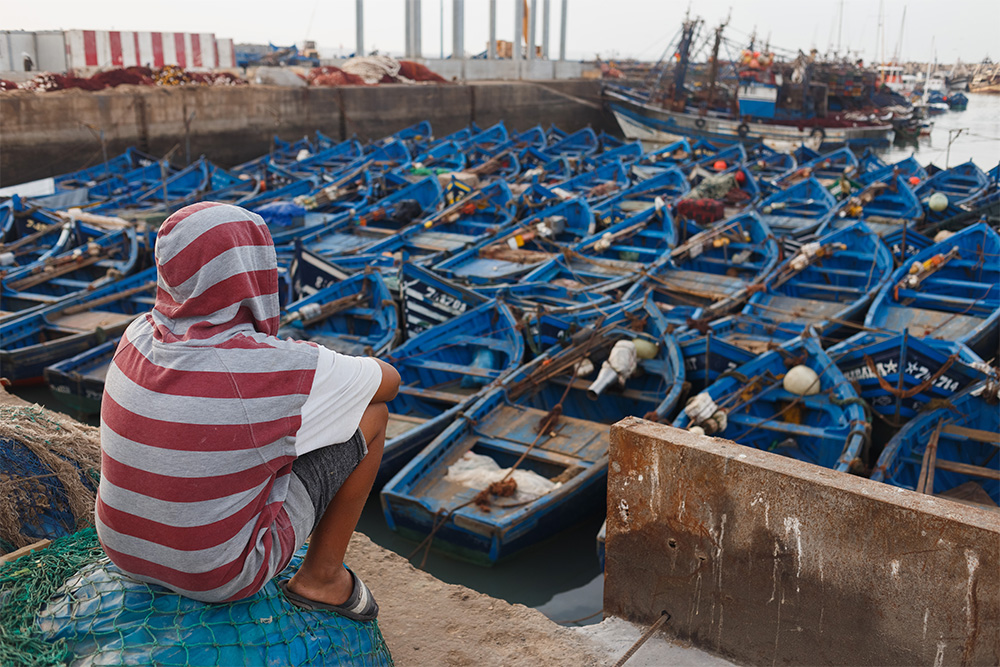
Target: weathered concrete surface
x: 45, y: 134
x: 765, y: 560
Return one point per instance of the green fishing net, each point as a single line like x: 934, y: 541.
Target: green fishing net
x: 67, y: 604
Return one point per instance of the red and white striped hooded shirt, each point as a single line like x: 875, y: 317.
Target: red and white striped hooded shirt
x: 201, y: 406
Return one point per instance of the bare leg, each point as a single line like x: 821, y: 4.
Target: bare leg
x: 322, y: 576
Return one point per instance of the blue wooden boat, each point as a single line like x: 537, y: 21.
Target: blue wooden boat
x: 355, y: 316
x: 201, y: 180
x: 958, y: 101
x: 713, y: 268
x: 427, y: 300
x: 546, y: 421
x: 625, y: 153
x: 900, y: 375
x: 614, y: 257
x: 722, y: 160
x: 45, y: 336
x: 511, y: 254
x: 887, y: 207
x: 668, y: 185
x: 826, y: 285
x: 963, y: 462
x: 30, y: 235
x: 78, y: 382
x: 444, y: 370
x: 827, y: 428
x: 803, y: 154
x: 593, y: 186
x: 707, y: 358
x: 98, y: 258
x: 907, y: 168
x: 671, y: 155
x: 575, y: 146
x: 767, y: 164
x: 488, y: 139
x: 349, y: 233
x: 949, y: 291
x: 798, y: 210
x: 281, y: 153
x: 828, y: 169
x: 959, y: 184
x: 868, y: 163
x: 467, y: 222
x: 418, y: 136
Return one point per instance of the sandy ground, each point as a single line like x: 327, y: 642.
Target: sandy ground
x: 428, y: 622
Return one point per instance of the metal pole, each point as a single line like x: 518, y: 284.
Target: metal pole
x: 562, y: 33
x: 442, y: 29
x: 491, y: 50
x: 458, y: 29
x: 545, y: 29
x: 359, y: 49
x: 518, y: 23
x: 409, y: 27
x: 531, y: 29
x: 418, y: 47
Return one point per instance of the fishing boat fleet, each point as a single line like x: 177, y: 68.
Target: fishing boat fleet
x: 533, y: 288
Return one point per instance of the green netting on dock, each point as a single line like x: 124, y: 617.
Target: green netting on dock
x: 67, y: 604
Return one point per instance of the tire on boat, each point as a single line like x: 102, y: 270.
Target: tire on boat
x: 818, y: 133
x: 743, y: 130
x: 699, y: 123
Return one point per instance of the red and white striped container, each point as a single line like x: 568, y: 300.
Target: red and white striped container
x: 103, y: 49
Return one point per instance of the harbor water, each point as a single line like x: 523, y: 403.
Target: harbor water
x: 979, y: 139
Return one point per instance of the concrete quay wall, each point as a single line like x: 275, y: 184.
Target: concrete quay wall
x: 766, y: 560
x: 45, y: 134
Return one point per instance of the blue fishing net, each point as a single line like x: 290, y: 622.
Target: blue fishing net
x: 68, y: 604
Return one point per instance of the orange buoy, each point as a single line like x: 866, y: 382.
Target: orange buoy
x: 719, y: 165
x: 914, y: 180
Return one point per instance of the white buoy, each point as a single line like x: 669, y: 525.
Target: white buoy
x: 801, y: 381
x: 645, y: 349
x: 938, y: 202
x: 697, y: 430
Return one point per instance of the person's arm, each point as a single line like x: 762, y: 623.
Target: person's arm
x: 390, y: 383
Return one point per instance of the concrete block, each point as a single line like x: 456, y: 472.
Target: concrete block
x: 491, y: 70
x: 539, y: 70
x: 767, y: 560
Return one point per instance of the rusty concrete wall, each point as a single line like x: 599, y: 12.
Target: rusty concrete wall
x: 45, y: 134
x: 765, y: 560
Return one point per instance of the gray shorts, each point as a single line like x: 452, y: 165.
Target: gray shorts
x: 323, y: 471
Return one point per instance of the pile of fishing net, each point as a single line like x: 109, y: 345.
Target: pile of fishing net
x: 372, y: 70
x: 68, y: 604
x: 332, y: 76
x: 171, y: 75
x: 49, y: 471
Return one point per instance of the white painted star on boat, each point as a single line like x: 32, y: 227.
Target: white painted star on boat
x: 889, y: 367
x: 912, y: 367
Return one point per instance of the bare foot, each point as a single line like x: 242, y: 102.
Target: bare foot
x: 334, y: 591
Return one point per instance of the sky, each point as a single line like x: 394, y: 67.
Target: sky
x: 943, y: 29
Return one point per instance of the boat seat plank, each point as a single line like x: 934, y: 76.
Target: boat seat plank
x: 781, y: 308
x: 926, y: 322
x: 88, y: 320
x: 432, y: 395
x: 578, y: 438
x: 968, y: 469
x: 461, y: 369
x: 708, y: 284
x: 400, y: 424
x: 769, y: 424
x: 972, y: 433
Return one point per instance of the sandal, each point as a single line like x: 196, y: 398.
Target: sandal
x: 360, y: 606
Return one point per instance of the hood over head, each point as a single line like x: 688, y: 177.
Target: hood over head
x: 217, y: 275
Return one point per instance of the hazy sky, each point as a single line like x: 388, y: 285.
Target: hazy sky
x: 966, y: 29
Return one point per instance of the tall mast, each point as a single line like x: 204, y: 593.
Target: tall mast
x: 684, y: 53
x: 713, y: 71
